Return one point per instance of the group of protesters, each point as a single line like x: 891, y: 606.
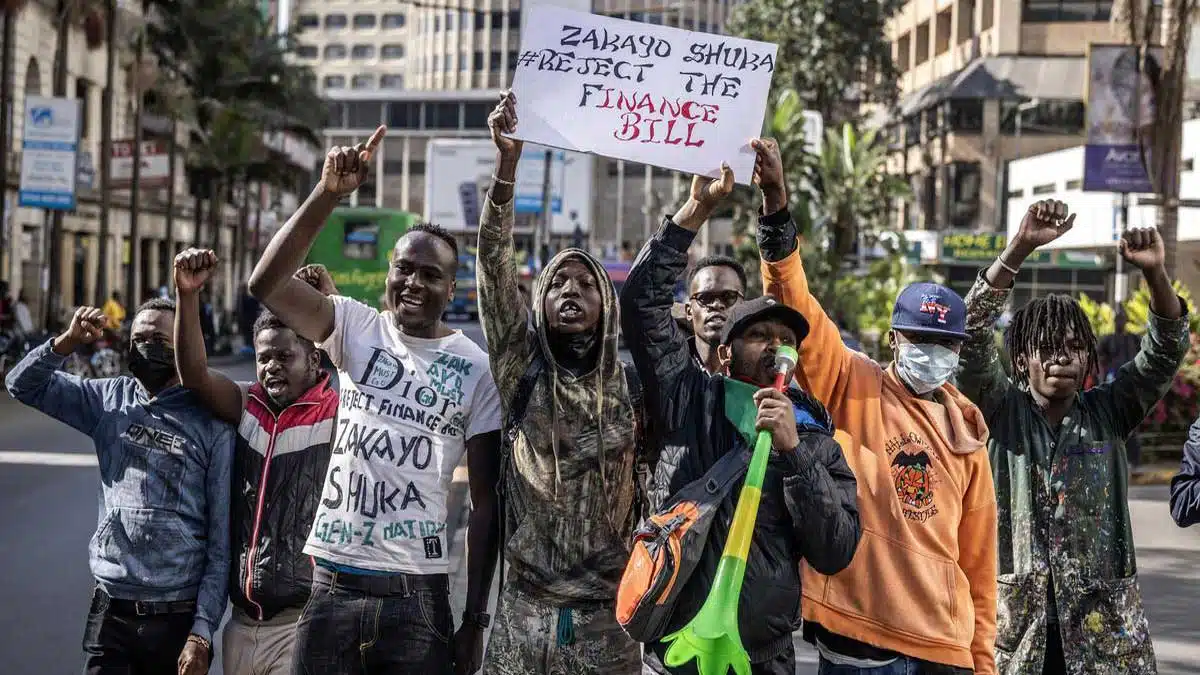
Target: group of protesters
x: 932, y: 515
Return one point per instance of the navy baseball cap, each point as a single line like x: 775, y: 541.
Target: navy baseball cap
x: 748, y: 312
x: 930, y: 309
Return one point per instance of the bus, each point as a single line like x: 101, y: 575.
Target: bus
x: 356, y: 246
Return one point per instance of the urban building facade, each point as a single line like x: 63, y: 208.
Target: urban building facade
x: 25, y: 233
x: 435, y: 70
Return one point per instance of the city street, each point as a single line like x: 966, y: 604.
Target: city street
x: 48, y: 489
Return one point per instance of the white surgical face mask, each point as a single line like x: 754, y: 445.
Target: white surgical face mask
x: 925, y: 367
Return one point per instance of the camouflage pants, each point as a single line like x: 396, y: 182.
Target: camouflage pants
x: 525, y: 641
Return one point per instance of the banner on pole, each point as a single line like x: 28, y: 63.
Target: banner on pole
x: 49, y: 149
x: 1121, y: 104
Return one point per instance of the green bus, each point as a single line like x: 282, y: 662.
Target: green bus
x: 356, y: 246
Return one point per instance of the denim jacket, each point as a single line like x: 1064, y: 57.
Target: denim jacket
x: 163, y: 532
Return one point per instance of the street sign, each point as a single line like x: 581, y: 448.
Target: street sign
x: 156, y: 164
x: 49, y: 150
x: 972, y: 247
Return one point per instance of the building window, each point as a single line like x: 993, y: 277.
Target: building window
x: 481, y: 20
x: 495, y: 61
x: 364, y: 115
x: 391, y: 81
x: 448, y: 63
x: 966, y: 115
x: 82, y: 91
x: 391, y: 52
x: 361, y: 240
x: 335, y: 52
x: 404, y: 116
x: 309, y: 21
x: 477, y: 61
x: 441, y: 116
x: 475, y: 115
x: 903, y: 48
x: 1016, y: 194
x: 1045, y: 11
x: 1048, y: 117
x: 336, y: 115
x: 966, y: 20
x: 449, y: 20
x: 363, y: 82
x: 335, y: 21
x: 393, y: 167
x: 364, y: 21
x: 964, y: 206
x: 512, y: 60
x: 437, y: 23
x: 1189, y: 164
x: 1076, y: 184
x: 514, y: 19
x: 335, y: 81
x: 437, y: 62
x: 362, y: 52
x: 306, y: 51
x: 922, y: 44
x: 1047, y: 189
x: 393, y: 21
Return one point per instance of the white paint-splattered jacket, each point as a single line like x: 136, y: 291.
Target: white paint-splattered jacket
x: 1062, y: 499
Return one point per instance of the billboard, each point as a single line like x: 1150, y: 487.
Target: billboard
x: 1120, y: 118
x: 458, y: 173
x: 50, y: 147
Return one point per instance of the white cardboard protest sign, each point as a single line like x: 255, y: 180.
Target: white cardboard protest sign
x: 664, y: 96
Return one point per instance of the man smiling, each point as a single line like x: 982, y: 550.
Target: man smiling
x: 415, y: 395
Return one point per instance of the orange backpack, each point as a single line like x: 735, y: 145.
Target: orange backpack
x: 668, y: 545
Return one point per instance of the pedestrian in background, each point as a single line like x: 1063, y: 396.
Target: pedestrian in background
x: 1068, y: 586
x: 160, y: 554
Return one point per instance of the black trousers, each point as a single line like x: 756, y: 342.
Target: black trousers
x: 120, y: 643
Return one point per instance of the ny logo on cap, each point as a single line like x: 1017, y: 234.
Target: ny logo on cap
x: 931, y: 304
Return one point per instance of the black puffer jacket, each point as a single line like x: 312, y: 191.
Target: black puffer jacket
x: 278, y: 476
x: 809, y: 508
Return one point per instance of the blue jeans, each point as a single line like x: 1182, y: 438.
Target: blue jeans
x: 375, y: 625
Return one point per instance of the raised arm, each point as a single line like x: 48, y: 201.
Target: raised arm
x: 502, y: 308
x: 296, y: 303
x: 1185, y: 486
x: 1142, y: 382
x: 826, y: 363
x: 657, y: 345
x: 219, y: 394
x: 38, y: 382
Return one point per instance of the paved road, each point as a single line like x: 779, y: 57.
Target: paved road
x: 48, y: 498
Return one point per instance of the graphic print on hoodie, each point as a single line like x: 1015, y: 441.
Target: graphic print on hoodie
x: 569, y: 486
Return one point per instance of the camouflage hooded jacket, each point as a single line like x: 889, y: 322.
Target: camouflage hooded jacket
x: 1065, y: 543
x: 569, y: 487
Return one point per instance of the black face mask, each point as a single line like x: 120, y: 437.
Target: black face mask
x: 152, y: 363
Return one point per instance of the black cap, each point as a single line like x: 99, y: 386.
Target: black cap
x: 743, y: 314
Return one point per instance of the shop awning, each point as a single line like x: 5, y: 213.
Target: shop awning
x: 1004, y: 78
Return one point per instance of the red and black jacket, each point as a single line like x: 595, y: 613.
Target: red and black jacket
x: 278, y: 476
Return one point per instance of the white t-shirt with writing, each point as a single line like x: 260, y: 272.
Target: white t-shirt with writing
x: 407, y: 407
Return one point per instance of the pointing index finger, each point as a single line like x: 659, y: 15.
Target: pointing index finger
x: 374, y: 141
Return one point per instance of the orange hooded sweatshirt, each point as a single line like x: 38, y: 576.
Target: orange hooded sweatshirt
x: 923, y: 580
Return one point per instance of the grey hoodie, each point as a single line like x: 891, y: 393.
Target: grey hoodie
x: 569, y: 488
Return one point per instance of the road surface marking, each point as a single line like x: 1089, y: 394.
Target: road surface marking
x: 48, y: 458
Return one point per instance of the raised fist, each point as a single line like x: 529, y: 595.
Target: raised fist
x: 318, y: 277
x: 346, y: 168
x: 193, y: 268
x: 1045, y: 221
x: 503, y: 120
x: 1143, y: 248
x: 87, y: 325
x: 710, y: 193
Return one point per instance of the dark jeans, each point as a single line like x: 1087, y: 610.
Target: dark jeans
x: 121, y: 643
x: 901, y: 666
x: 374, y: 625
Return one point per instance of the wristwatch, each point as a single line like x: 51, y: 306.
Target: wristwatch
x: 481, y: 619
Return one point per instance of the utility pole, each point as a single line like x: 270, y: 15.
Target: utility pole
x: 1177, y: 16
x: 132, y: 275
x: 106, y: 139
x: 542, y: 230
x: 6, y: 90
x: 54, y: 294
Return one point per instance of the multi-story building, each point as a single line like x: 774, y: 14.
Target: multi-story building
x: 25, y: 233
x: 435, y: 70
x: 985, y: 82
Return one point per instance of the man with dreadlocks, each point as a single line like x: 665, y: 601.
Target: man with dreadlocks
x: 1068, y: 597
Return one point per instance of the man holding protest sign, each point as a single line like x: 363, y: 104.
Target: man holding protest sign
x: 568, y: 483
x: 415, y: 395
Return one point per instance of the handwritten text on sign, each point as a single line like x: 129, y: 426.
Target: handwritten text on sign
x: 651, y: 94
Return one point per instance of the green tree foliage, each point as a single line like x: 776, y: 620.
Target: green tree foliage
x: 834, y: 55
x: 1137, y: 311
